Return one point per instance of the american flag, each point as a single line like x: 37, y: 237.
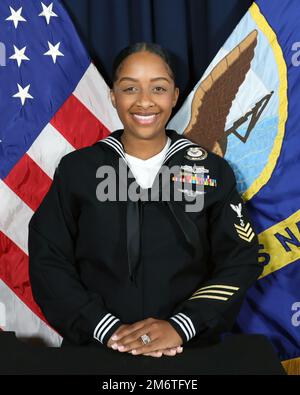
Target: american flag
x: 53, y: 101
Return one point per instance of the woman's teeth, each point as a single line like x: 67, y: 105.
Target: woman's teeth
x: 144, y: 119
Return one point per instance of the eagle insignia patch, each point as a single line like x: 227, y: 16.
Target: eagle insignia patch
x: 195, y: 153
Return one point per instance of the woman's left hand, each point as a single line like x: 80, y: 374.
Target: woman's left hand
x: 161, y: 333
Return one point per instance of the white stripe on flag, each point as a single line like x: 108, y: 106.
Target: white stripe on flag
x: 2, y: 315
x: 94, y: 93
x: 21, y: 320
x: 47, y: 150
x: 14, y: 217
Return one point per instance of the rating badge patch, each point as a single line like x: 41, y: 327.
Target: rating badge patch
x: 244, y: 230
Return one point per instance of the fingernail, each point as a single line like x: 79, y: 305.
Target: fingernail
x: 133, y: 351
x: 114, y: 346
x: 115, y: 337
x: 121, y: 348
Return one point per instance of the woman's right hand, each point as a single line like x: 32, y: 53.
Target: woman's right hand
x: 170, y: 352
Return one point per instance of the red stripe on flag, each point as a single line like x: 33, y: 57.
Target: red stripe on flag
x: 29, y: 182
x: 14, y: 273
x: 78, y: 125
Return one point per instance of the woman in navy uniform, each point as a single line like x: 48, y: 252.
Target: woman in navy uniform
x: 143, y: 275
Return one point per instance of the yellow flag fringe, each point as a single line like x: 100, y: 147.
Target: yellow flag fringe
x: 292, y: 366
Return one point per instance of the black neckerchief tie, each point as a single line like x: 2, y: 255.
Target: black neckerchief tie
x: 133, y: 225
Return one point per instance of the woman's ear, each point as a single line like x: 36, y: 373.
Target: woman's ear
x: 112, y: 97
x: 176, y: 95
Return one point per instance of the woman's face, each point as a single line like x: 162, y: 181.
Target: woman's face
x: 144, y: 95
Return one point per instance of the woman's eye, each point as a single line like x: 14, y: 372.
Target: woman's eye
x: 159, y: 89
x: 130, y: 89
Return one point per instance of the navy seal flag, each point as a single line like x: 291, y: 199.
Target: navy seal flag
x: 245, y: 108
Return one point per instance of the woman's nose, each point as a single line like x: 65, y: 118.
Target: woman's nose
x: 145, y: 100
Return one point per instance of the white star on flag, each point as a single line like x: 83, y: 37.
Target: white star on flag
x: 16, y: 16
x: 19, y: 55
x: 47, y: 12
x: 54, y: 51
x: 23, y: 94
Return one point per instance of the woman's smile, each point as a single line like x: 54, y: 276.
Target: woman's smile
x: 145, y: 119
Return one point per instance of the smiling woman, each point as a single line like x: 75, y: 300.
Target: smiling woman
x: 144, y: 94
x: 143, y: 276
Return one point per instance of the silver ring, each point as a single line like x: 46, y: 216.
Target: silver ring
x: 145, y: 339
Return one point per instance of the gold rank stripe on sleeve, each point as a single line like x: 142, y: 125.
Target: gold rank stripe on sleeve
x: 208, y: 297
x: 215, y: 292
x: 230, y: 287
x: 245, y: 232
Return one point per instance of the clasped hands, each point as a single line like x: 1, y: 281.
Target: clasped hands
x: 164, y: 338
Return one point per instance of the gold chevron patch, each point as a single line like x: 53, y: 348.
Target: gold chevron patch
x: 245, y: 232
